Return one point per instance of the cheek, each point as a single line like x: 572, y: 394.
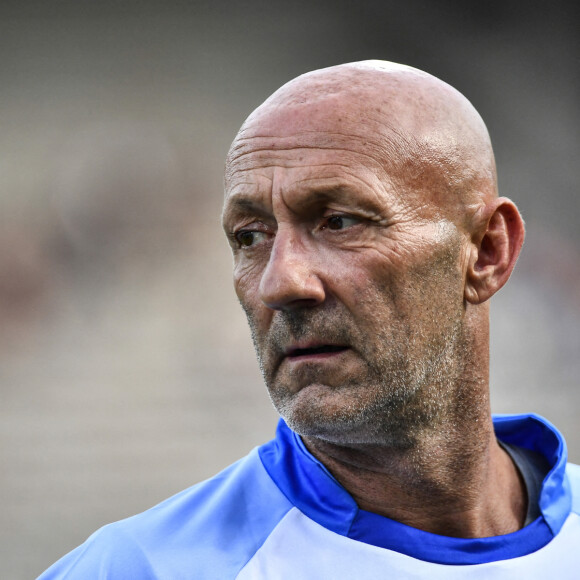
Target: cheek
x: 383, y: 287
x: 362, y: 283
x: 246, y: 282
x: 247, y: 288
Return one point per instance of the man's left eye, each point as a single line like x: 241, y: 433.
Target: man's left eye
x: 339, y: 222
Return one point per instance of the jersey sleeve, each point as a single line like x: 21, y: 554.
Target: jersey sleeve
x: 106, y: 555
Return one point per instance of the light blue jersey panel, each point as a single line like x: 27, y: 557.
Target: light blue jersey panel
x: 208, y: 531
x: 299, y: 548
x: 573, y: 474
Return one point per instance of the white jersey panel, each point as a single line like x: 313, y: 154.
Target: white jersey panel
x: 301, y: 549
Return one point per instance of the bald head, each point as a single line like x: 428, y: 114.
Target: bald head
x: 410, y: 123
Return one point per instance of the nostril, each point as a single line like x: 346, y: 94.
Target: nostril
x: 290, y: 284
x: 291, y: 279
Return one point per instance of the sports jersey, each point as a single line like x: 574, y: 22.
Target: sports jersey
x: 279, y: 514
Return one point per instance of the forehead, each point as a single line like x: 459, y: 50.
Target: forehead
x: 304, y: 170
x: 332, y: 123
x: 316, y: 153
x: 332, y: 159
x: 317, y: 141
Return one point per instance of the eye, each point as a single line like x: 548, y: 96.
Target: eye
x: 339, y: 222
x: 247, y: 238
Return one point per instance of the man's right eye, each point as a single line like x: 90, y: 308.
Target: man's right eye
x: 247, y: 238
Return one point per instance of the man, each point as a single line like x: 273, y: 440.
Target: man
x: 361, y: 206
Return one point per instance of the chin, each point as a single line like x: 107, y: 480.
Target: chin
x: 343, y: 426
x: 350, y: 432
x: 323, y: 413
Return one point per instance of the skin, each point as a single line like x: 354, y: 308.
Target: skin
x: 362, y: 210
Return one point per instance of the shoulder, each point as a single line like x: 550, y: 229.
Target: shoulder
x: 573, y: 475
x: 212, y: 529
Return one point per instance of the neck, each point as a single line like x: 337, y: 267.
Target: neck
x: 454, y: 481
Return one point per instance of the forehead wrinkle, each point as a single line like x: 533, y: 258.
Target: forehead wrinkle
x: 383, y: 148
x: 343, y: 183
x: 390, y: 141
x: 336, y: 182
x: 267, y: 157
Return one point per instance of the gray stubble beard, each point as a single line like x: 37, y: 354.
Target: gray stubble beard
x: 403, y: 394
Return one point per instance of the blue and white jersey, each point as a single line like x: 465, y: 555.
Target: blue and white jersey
x: 279, y: 514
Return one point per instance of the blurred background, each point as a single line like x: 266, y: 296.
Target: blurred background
x: 127, y: 372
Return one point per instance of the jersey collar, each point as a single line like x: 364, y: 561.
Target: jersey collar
x: 309, y: 486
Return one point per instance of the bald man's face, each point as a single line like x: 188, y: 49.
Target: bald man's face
x: 350, y: 272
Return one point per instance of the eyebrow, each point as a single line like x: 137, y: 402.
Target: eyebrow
x: 342, y: 193
x: 241, y: 205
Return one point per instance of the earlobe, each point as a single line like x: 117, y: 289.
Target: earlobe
x: 494, y: 254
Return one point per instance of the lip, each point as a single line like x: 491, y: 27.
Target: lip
x: 314, y: 351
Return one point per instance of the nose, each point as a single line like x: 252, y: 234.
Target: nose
x: 290, y: 279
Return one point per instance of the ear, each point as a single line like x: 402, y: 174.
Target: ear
x: 494, y: 254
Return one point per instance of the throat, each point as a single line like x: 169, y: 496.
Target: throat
x: 419, y: 487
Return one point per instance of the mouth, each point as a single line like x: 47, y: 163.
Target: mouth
x: 316, y: 351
